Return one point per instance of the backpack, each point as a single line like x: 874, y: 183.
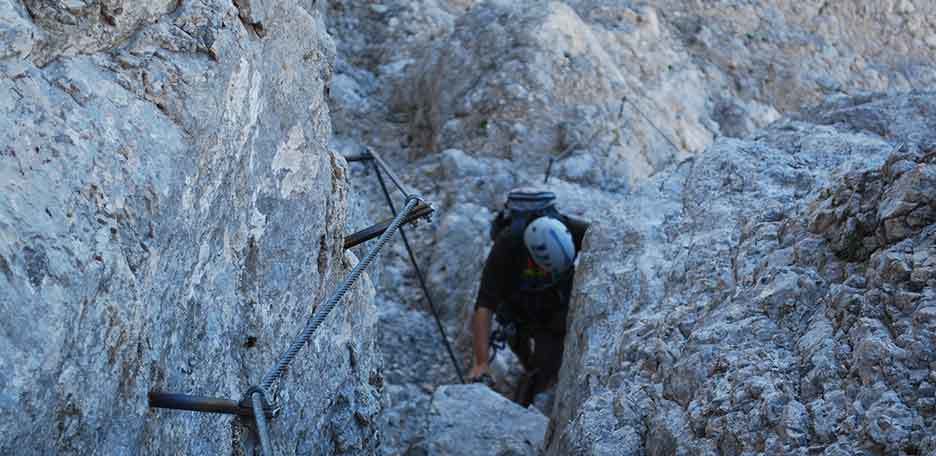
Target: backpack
x: 522, y: 207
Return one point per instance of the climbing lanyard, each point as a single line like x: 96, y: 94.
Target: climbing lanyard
x: 499, y: 339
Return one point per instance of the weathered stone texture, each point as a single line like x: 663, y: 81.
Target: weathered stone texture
x: 769, y: 296
x: 169, y: 214
x: 472, y: 98
x: 472, y: 419
x: 600, y: 83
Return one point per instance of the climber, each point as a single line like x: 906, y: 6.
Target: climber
x: 525, y: 284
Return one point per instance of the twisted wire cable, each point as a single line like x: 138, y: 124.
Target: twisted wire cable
x: 422, y: 280
x: 321, y: 313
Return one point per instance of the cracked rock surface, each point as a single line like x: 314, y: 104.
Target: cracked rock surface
x: 770, y: 296
x: 472, y: 419
x: 758, y: 279
x: 472, y: 98
x: 169, y: 214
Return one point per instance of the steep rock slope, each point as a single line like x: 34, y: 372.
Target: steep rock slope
x: 169, y: 213
x: 770, y: 296
x: 523, y: 80
x: 470, y: 98
x: 597, y: 82
x: 790, y: 54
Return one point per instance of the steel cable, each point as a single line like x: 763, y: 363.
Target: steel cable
x: 319, y: 315
x: 422, y: 280
x: 652, y: 124
x: 393, y: 178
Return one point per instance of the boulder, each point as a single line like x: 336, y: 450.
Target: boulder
x: 473, y: 419
x: 762, y: 287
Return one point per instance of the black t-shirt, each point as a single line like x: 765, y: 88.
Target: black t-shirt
x: 515, y: 288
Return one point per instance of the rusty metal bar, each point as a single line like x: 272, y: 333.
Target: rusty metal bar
x: 197, y: 404
x: 359, y: 157
x: 375, y: 230
x: 263, y: 428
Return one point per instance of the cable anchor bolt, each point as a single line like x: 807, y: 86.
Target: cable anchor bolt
x: 271, y: 410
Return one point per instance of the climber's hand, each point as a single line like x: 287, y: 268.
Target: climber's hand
x: 485, y: 379
x: 477, y: 371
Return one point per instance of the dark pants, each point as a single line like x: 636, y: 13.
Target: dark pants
x: 541, y: 361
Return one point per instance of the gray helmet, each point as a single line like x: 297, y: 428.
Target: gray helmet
x: 550, y: 244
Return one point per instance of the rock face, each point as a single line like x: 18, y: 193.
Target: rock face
x: 619, y: 91
x: 521, y: 80
x: 171, y: 209
x: 472, y: 419
x: 790, y: 54
x: 769, y: 296
x: 169, y: 214
x: 472, y: 98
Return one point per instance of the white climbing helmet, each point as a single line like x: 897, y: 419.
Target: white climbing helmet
x: 550, y: 244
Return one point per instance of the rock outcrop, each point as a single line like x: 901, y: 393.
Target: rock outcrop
x: 169, y: 214
x: 472, y: 419
x: 522, y: 81
x: 619, y: 90
x: 769, y: 296
x: 474, y: 97
x: 791, y: 54
x: 172, y: 204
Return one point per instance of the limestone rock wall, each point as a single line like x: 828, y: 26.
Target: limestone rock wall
x: 599, y: 84
x: 169, y: 214
x: 792, y: 54
x: 471, y: 98
x: 769, y: 296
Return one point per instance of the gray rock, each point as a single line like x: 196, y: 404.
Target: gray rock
x: 169, y: 215
x: 826, y: 414
x: 477, y: 180
x: 889, y: 423
x: 18, y: 34
x: 795, y: 424
x: 472, y: 419
x: 667, y: 428
x: 461, y: 241
x: 85, y: 27
x: 708, y: 286
x: 523, y: 81
x: 526, y: 80
x: 761, y: 311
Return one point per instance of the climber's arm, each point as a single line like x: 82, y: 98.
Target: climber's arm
x: 494, y: 279
x: 481, y: 333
